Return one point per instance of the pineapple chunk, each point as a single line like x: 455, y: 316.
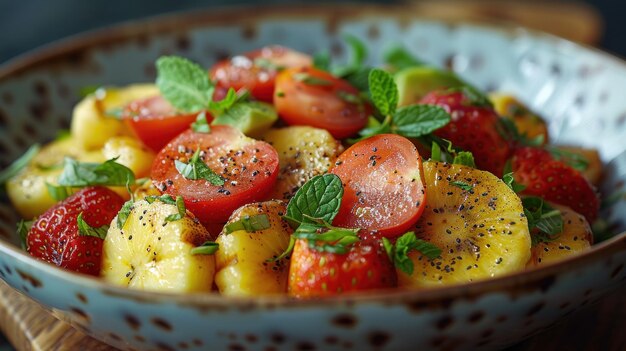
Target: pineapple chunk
x: 576, y: 237
x: 303, y: 152
x: 146, y: 189
x: 151, y: 253
x: 91, y: 126
x: 243, y: 268
x: 27, y: 190
x: 482, y: 232
x: 132, y: 154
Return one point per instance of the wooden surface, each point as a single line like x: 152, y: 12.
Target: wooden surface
x: 599, y: 327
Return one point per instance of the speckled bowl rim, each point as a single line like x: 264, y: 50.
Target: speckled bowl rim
x: 527, y: 280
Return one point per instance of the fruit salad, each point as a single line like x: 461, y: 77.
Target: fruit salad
x: 276, y: 172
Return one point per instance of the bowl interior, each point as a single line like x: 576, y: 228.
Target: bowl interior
x: 577, y: 89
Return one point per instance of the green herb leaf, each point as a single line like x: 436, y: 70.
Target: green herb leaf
x: 123, y: 214
x: 475, y: 96
x: 184, y: 84
x: 201, y: 125
x: 196, y: 169
x: 463, y: 185
x: 85, y: 229
x: 287, y: 252
x: 182, y: 211
x: 417, y: 120
x: 88, y: 90
x: 384, y: 91
x: 574, y: 160
x: 218, y: 107
x: 321, y: 60
x: 320, y: 197
x: 350, y: 98
x: 547, y: 220
x: 358, y: 51
x: 464, y: 158
x: 508, y: 130
x: 57, y: 192
x: 323, y: 237
x: 406, y: 243
x: 19, y: 164
x: 373, y: 127
x: 400, y: 58
x: 310, y: 80
x: 509, y: 180
x: 82, y: 174
x: 435, y: 152
x: 249, y: 223
x: 208, y: 248
x: 358, y: 78
x: 264, y: 63
x: 23, y: 227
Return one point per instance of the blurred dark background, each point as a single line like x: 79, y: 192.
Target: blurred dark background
x: 28, y: 24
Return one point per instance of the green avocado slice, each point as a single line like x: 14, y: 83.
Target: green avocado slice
x: 415, y: 82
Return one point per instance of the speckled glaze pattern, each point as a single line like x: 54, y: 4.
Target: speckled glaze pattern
x: 578, y: 89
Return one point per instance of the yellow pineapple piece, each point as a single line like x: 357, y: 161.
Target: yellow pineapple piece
x: 482, y: 231
x: 303, y: 152
x: 576, y: 237
x: 243, y: 268
x: 92, y: 124
x: 151, y: 253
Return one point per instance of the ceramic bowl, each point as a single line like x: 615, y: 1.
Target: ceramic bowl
x: 577, y: 88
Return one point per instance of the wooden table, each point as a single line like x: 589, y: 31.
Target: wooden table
x: 599, y: 327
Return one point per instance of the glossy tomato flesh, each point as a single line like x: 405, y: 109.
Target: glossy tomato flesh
x: 383, y: 185
x: 155, y: 121
x: 249, y: 168
x: 256, y: 71
x: 307, y: 96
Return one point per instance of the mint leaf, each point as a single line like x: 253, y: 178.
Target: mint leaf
x: 19, y: 164
x: 82, y: 174
x: 201, y: 125
x: 23, y: 227
x: 463, y: 185
x: 574, y: 160
x: 218, y: 107
x: 358, y: 51
x: 85, y: 229
x: 400, y: 58
x: 323, y: 237
x: 399, y: 253
x: 208, y: 248
x: 249, y: 223
x: 464, y: 158
x: 196, y: 169
x: 183, y: 83
x: 320, y: 197
x: 435, y: 152
x: 383, y: 91
x: 509, y: 180
x: 417, y: 120
x: 543, y: 217
x: 57, y: 192
x: 123, y: 214
x: 180, y: 205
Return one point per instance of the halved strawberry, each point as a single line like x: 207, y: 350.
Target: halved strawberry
x: 365, y: 266
x: 473, y: 128
x: 554, y: 181
x: 55, y: 237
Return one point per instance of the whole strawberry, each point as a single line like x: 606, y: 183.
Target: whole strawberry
x: 555, y: 181
x: 473, y: 127
x: 55, y: 236
x: 365, y: 266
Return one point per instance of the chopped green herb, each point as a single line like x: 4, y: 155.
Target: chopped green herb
x: 85, y: 229
x: 398, y: 253
x: 201, y: 125
x: 462, y: 185
x: 509, y: 180
x: 249, y: 223
x: 82, y: 174
x: 310, y: 80
x: 321, y: 61
x: 123, y: 214
x: 182, y: 211
x: 23, y: 227
x: 208, y: 248
x: 543, y: 217
x: 464, y: 158
x: 323, y: 237
x: 400, y: 58
x: 196, y: 169
x: 475, y: 96
x: 58, y: 192
x: 574, y: 160
x: 19, y: 164
x: 264, y: 63
x: 219, y: 107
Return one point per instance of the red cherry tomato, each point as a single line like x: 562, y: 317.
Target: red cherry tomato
x: 307, y: 96
x: 383, y: 185
x: 256, y: 70
x: 155, y: 122
x: 249, y: 168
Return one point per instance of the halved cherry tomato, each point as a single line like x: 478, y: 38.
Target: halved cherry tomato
x: 155, y: 121
x: 256, y: 70
x: 249, y: 168
x: 307, y: 96
x: 383, y: 185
